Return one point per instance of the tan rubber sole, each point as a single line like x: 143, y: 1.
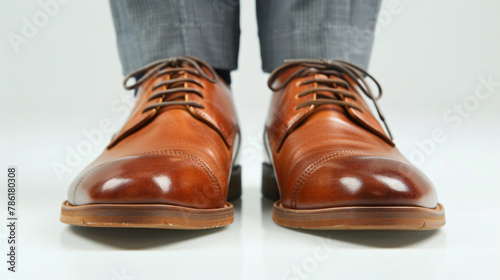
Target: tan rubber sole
x: 146, y: 216
x: 361, y: 218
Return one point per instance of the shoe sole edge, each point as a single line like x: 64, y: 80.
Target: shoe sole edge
x: 146, y: 216
x: 361, y: 217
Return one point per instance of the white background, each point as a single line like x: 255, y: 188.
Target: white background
x: 429, y: 57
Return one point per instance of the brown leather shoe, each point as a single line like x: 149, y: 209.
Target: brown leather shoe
x: 334, y: 165
x: 172, y: 165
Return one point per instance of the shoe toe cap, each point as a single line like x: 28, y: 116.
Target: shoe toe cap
x: 363, y: 181
x: 176, y: 179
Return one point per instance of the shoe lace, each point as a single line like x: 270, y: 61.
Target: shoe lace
x: 337, y: 84
x: 175, y: 67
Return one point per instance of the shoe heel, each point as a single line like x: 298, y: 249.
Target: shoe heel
x: 234, y: 189
x: 269, y: 185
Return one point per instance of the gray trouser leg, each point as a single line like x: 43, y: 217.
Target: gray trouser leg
x: 155, y: 29
x: 209, y: 29
x: 313, y: 29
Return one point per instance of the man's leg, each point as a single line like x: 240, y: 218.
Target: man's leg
x: 293, y: 29
x: 156, y: 29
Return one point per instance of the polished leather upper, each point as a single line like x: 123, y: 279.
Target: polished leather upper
x: 328, y: 155
x: 177, y: 154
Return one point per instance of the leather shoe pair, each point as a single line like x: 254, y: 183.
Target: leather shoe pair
x: 174, y: 164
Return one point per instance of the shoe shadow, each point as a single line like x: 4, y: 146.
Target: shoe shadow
x: 376, y: 238
x: 91, y: 238
x: 368, y: 238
